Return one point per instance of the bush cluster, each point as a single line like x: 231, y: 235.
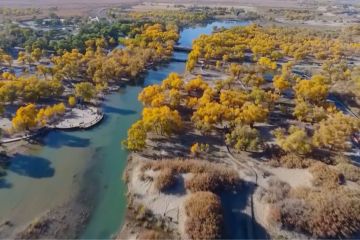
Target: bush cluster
x: 165, y: 180
x: 213, y: 181
x: 206, y: 176
x: 150, y: 235
x: 324, y: 214
x: 324, y: 176
x: 350, y: 171
x: 276, y: 191
x: 204, y: 216
x: 291, y: 160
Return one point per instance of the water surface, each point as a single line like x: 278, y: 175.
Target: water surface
x: 49, y: 172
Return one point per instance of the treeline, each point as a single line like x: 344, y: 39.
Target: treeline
x: 84, y: 74
x: 151, y: 44
x: 295, y: 14
x: 272, y: 42
x: 12, y: 35
x: 178, y: 17
x: 19, y: 11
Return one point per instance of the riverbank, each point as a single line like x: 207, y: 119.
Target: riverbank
x: 42, y: 178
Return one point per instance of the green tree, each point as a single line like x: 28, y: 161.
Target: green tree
x: 85, y: 91
x: 335, y: 132
x: 295, y: 140
x: 244, y: 138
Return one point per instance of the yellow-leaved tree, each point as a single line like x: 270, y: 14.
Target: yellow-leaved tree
x: 267, y: 64
x: 25, y: 118
x: 334, y: 133
x: 173, y: 81
x: 196, y: 86
x: 152, y: 96
x: 252, y: 113
x: 162, y: 120
x: 136, y: 139
x: 314, y: 90
x: 72, y: 101
x: 295, y: 140
x: 209, y: 115
x: 281, y: 83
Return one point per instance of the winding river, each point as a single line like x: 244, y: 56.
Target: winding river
x: 66, y: 162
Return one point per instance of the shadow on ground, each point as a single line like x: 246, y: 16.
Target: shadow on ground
x: 237, y: 223
x: 178, y: 146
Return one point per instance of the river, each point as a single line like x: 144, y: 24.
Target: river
x: 52, y: 170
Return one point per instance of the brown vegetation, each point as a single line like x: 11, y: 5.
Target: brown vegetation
x: 204, y: 216
x: 291, y: 160
x: 207, y: 176
x: 350, y: 171
x: 150, y: 235
x: 213, y: 181
x: 324, y: 176
x: 165, y: 180
x: 276, y: 191
x: 322, y: 213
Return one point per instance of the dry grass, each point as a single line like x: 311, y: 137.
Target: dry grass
x: 276, y: 191
x: 324, y: 214
x: 350, y: 171
x: 213, y: 181
x: 207, y: 176
x: 294, y: 214
x: 178, y: 166
x: 324, y: 176
x: 150, y: 235
x: 165, y: 180
x: 291, y: 160
x: 204, y: 216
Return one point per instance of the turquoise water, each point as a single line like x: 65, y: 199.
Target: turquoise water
x: 48, y: 173
x: 189, y: 34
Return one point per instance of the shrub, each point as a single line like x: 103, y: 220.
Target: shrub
x: 324, y: 176
x: 212, y: 181
x: 165, y: 180
x: 207, y: 176
x: 150, y: 235
x: 72, y: 101
x: 325, y: 214
x: 276, y: 191
x: 295, y: 214
x: 291, y: 160
x: 204, y: 216
x: 335, y: 214
x: 350, y: 171
x: 196, y: 149
x: 293, y: 140
x: 244, y: 138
